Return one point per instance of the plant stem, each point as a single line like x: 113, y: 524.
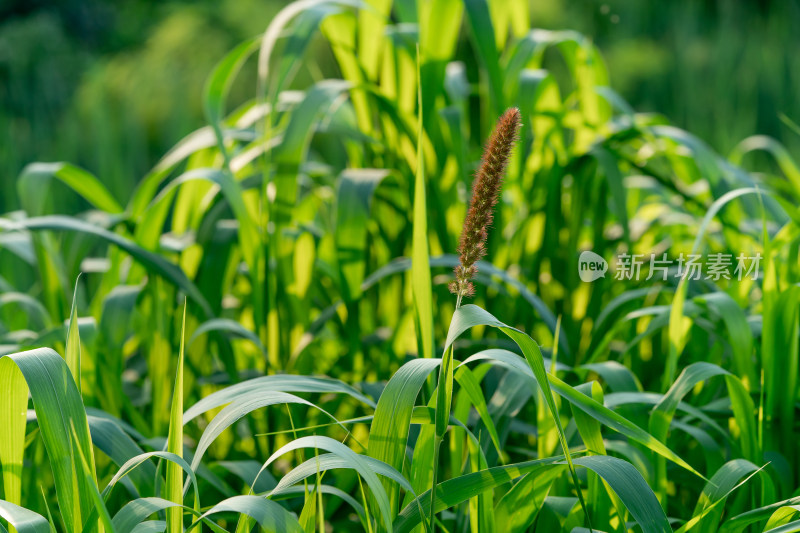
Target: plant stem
x: 444, y: 393
x: 437, y: 442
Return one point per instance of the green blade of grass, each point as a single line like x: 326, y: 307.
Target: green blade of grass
x: 355, y: 189
x: 454, y: 491
x: 518, y: 508
x: 601, y: 500
x: 619, y: 399
x: 357, y: 461
x: 333, y: 491
x: 301, y: 35
x: 112, y: 440
x: 588, y: 427
x: 469, y: 316
x: 678, y: 322
x: 402, y: 264
x: 143, y: 461
x: 322, y: 463
x: 73, y: 355
x: 598, y: 411
x: 692, y: 375
x: 789, y: 527
x: 35, y: 179
x: 618, y: 377
x: 341, y: 32
x: 277, y: 383
x: 782, y: 156
x: 469, y: 383
x: 371, y: 29
x: 288, y: 158
x: 22, y: 520
x: 610, y: 169
x: 269, y: 515
x: 444, y: 397
x: 104, y: 521
x: 390, y: 425
x: 226, y: 325
x: 289, y: 155
x: 150, y: 260
x: 480, y: 22
x: 420, y: 259
x: 136, y: 511
x: 113, y: 330
x: 30, y: 304
x: 49, y: 514
x: 241, y: 407
x: 174, y: 488
x: 195, y: 142
x: 275, y: 30
x: 739, y: 333
x: 13, y: 418
x: 151, y: 526
x: 782, y: 517
x: 58, y: 406
x: 632, y: 489
x: 718, y: 487
x: 697, y: 518
x: 218, y: 85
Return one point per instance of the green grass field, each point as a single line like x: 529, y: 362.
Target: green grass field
x: 262, y: 337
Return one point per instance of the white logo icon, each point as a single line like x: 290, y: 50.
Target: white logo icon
x: 591, y: 266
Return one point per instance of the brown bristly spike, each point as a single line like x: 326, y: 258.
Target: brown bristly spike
x: 485, y: 192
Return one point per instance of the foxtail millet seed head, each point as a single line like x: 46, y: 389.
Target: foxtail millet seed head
x: 485, y: 192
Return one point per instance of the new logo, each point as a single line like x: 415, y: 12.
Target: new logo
x: 591, y: 266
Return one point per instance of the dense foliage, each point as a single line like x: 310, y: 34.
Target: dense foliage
x: 263, y: 331
x: 110, y: 85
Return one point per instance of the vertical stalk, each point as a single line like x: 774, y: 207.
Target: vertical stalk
x: 472, y: 247
x: 444, y: 398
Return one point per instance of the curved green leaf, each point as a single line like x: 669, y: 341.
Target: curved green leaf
x: 277, y: 383
x: 598, y: 411
x: 35, y: 177
x: 59, y: 409
x: 390, y: 425
x: 454, y: 491
x: 23, y: 520
x: 238, y: 409
x: 269, y: 515
x: 150, y: 260
x: 632, y: 489
x: 358, y: 462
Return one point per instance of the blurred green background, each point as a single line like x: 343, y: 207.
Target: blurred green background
x: 111, y: 85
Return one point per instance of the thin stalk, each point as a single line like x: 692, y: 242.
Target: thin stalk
x: 366, y: 505
x: 437, y: 441
x: 472, y: 247
x: 442, y: 416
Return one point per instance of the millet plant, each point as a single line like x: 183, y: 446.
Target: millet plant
x: 252, y: 337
